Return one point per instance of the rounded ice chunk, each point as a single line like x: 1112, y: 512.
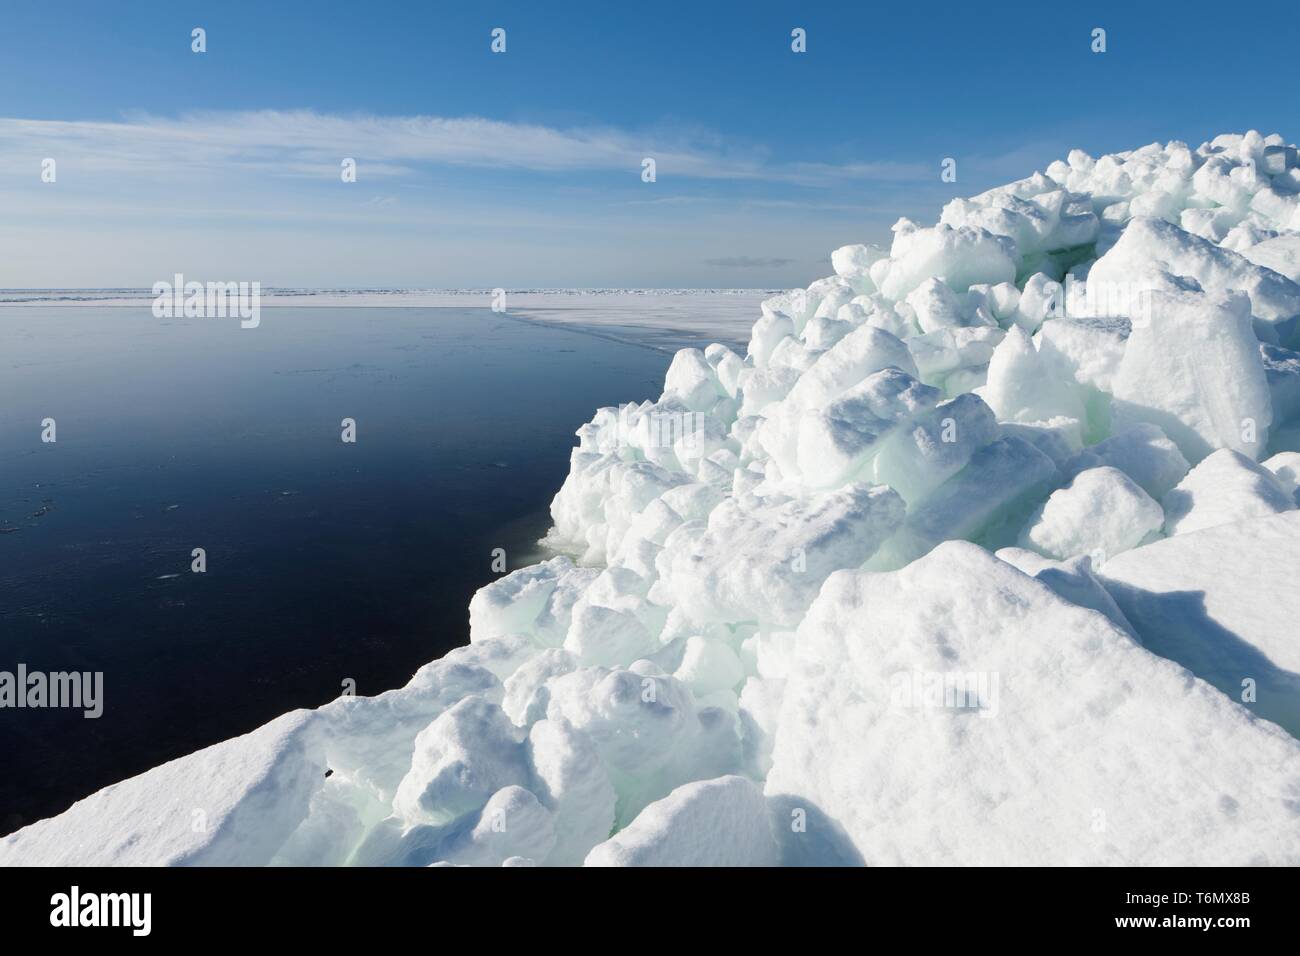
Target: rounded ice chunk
x: 1194, y: 368
x: 708, y: 666
x: 834, y: 443
x: 1023, y: 387
x: 962, y: 257
x: 461, y: 759
x: 571, y: 781
x: 1285, y: 466
x: 693, y: 381
x: 855, y: 260
x: 722, y: 822
x: 864, y: 350
x: 513, y: 823
x: 1142, y: 452
x: 1224, y: 488
x: 1101, y: 513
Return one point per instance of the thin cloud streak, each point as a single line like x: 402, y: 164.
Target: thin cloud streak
x: 307, y: 144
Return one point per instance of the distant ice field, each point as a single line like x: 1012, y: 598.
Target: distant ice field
x: 666, y: 319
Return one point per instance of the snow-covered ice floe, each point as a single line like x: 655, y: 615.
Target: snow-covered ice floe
x: 984, y: 552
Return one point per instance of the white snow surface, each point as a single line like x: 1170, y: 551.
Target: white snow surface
x: 1223, y: 603
x: 731, y: 809
x: 774, y: 630
x: 1064, y: 741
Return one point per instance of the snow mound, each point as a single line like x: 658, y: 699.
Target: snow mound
x: 1223, y: 603
x: 973, y: 716
x: 232, y: 804
x: 1101, y: 512
x: 667, y: 833
x: 770, y: 583
x: 1224, y: 488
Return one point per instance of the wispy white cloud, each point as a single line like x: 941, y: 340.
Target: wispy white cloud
x: 303, y: 143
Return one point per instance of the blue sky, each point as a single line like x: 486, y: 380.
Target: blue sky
x: 523, y: 168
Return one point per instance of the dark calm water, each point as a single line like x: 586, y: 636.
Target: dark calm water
x: 325, y: 560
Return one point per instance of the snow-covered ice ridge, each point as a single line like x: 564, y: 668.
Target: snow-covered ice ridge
x: 960, y: 563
